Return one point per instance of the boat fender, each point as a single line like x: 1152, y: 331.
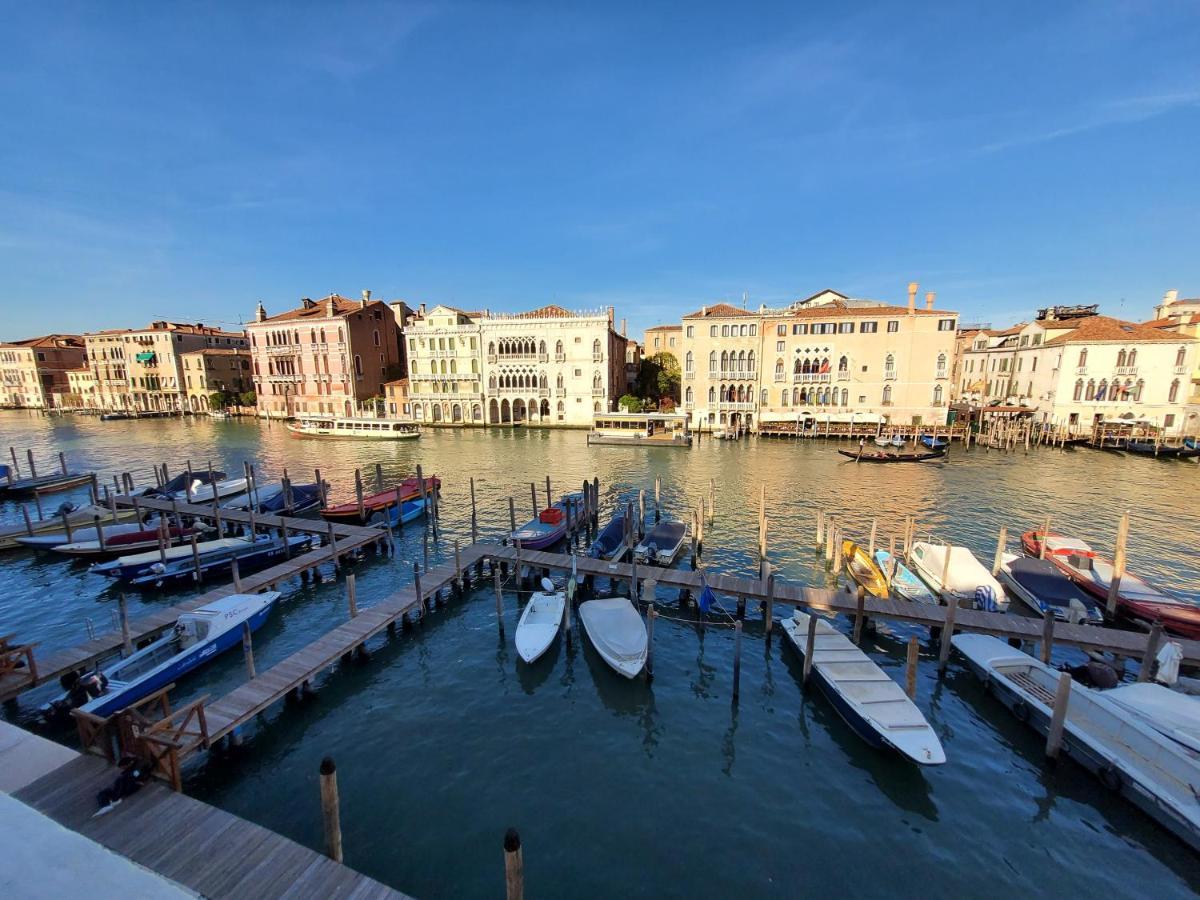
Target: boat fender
x: 158, y: 568
x: 1020, y: 711
x: 1110, y: 777
x: 547, y: 585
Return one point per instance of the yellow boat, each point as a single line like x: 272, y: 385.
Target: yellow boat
x: 864, y: 570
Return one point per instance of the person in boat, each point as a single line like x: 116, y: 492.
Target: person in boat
x: 80, y: 689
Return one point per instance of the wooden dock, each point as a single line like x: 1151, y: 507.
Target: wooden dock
x: 198, y: 846
x: 49, y: 667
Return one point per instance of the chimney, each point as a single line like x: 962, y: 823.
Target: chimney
x: 703, y: 311
x: 623, y: 328
x: 1170, y: 297
x: 260, y: 314
x: 929, y: 300
x: 366, y: 298
x: 332, y: 306
x: 306, y: 303
x: 912, y: 297
x: 612, y: 312
x: 422, y: 310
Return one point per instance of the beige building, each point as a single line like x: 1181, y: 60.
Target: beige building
x: 397, y: 404
x: 82, y: 390
x: 325, y: 357
x: 1074, y: 367
x: 206, y: 372
x: 1181, y: 317
x: 34, y: 371
x: 663, y: 339
x: 106, y: 361
x: 826, y: 358
x: 549, y: 366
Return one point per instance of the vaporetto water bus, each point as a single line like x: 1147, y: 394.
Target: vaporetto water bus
x: 360, y: 428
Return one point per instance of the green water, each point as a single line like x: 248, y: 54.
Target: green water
x: 443, y: 739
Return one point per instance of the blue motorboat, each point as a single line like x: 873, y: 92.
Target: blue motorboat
x: 904, y: 581
x: 272, y: 499
x: 551, y: 524
x: 155, y: 568
x: 610, y: 543
x: 934, y: 443
x: 1043, y: 587
x: 394, y: 517
x: 180, y: 482
x: 197, y: 637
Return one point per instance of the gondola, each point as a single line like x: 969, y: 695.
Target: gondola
x: 879, y: 456
x: 1150, y: 448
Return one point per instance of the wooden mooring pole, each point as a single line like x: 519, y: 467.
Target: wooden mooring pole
x: 910, y: 668
x: 330, y: 812
x: 514, y: 866
x: 248, y: 650
x: 1062, y: 696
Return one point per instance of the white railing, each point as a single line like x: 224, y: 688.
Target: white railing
x: 1126, y: 370
x: 810, y: 377
x: 1081, y: 370
x: 889, y: 374
x: 1180, y: 370
x: 843, y: 375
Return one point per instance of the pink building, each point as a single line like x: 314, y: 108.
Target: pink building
x: 323, y: 357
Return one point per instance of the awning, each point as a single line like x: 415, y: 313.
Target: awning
x: 145, y: 357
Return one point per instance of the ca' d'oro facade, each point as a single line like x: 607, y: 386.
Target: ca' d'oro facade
x: 825, y: 358
x: 549, y: 367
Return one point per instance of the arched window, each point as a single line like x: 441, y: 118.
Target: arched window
x: 474, y: 367
x: 798, y: 396
x: 596, y: 347
x: 724, y: 331
x: 558, y: 348
x: 596, y: 383
x: 889, y: 365
x: 341, y: 334
x: 1090, y: 393
x: 1102, y: 390
x: 712, y: 395
x: 1180, y: 356
x: 712, y: 363
x: 687, y: 362
x: 687, y: 396
x: 491, y: 348
x: 1132, y: 361
x: 542, y: 347
x: 1083, y: 357
x: 1173, y: 394
x: 724, y: 362
x: 796, y: 367
x: 779, y: 370
x: 887, y: 393
x: 750, y: 362
x: 762, y: 397
x: 558, y: 383
x: 492, y: 382
x: 844, y: 365
x: 741, y: 362
x: 542, y: 382
x: 937, y: 395
x: 1137, y: 391
x: 453, y: 367
x: 358, y: 369
x: 1121, y: 359
x: 1079, y: 389
x: 745, y: 328
x: 783, y: 399
x: 845, y: 397
x: 941, y: 365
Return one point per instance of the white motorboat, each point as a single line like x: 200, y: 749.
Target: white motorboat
x: 204, y: 493
x: 662, y: 544
x: 871, y: 703
x: 84, y: 533
x: 538, y: 626
x: 1151, y: 769
x: 1168, y: 712
x: 1042, y: 587
x: 966, y: 577
x: 617, y: 632
x: 353, y: 427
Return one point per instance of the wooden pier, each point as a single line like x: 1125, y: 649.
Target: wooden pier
x: 35, y: 670
x: 202, y: 848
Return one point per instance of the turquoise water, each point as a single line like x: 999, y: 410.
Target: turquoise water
x: 443, y: 739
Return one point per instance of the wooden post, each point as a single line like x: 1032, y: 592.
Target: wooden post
x: 458, y: 569
x: 67, y: 527
x: 910, y: 668
x: 1152, y: 641
x: 358, y: 495
x: 95, y: 490
x: 1001, y: 540
x: 1045, y: 534
x: 28, y: 521
x: 1062, y: 696
x: 330, y: 813
x: 162, y: 540
x: 947, y: 634
x: 216, y: 511
x: 893, y: 560
x: 474, y: 519
x: 820, y: 527
x: 657, y: 504
x: 196, y: 559
x: 946, y: 573
x: 37, y: 501
x: 810, y: 645
x: 499, y: 599
x: 859, y: 614
x: 333, y: 554
x: 549, y: 496
x: 737, y: 658
x: 769, y: 604
x: 533, y: 498
x: 1114, y: 587
x: 512, y: 515
x: 100, y: 538
x: 651, y: 615
x: 1047, y: 635
x: 248, y: 650
x: 837, y: 550
x: 286, y: 538
x: 32, y: 467
x: 871, y: 544
x: 829, y: 540
x: 378, y: 477
x: 417, y: 586
x: 123, y: 612
x: 514, y: 866
x: 641, y: 519
x: 62, y: 462
x: 762, y: 521
x: 237, y: 576
x: 352, y: 595
x: 322, y: 491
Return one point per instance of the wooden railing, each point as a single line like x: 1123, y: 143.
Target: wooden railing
x: 17, y: 659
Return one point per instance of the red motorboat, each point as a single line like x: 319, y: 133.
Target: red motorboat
x: 408, y: 489
x: 1135, y: 598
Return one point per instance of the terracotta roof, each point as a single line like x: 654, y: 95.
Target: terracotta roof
x: 320, y: 309
x: 665, y: 328
x: 1171, y: 323
x: 1101, y: 329
x: 219, y: 351
x: 718, y: 310
x: 835, y: 310
x: 49, y: 340
x: 396, y: 381
x: 547, y: 312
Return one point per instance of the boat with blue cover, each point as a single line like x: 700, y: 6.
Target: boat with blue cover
x: 903, y: 581
x: 394, y: 517
x: 934, y: 443
x: 198, y: 636
x: 272, y: 499
x: 180, y: 481
x: 662, y: 544
x: 1042, y: 587
x: 155, y: 568
x: 550, y: 526
x: 610, y: 543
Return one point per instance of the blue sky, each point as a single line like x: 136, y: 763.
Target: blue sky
x: 185, y: 161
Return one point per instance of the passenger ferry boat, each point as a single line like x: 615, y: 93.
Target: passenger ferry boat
x: 641, y: 430
x: 347, y: 427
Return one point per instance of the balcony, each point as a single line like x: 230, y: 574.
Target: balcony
x: 597, y: 357
x: 544, y: 392
x: 560, y: 392
x: 889, y: 375
x: 597, y: 392
x: 810, y: 377
x: 1126, y: 370
x: 738, y: 375
x: 689, y: 376
x: 543, y: 357
x: 1181, y: 370
x: 277, y: 349
x: 941, y: 375
x: 687, y: 407
x: 1081, y: 370
x: 844, y: 375
x: 560, y: 357
x: 735, y: 406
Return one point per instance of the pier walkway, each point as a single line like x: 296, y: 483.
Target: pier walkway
x: 348, y: 539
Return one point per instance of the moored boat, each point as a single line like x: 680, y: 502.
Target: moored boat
x: 396, y: 516
x: 902, y: 580
x: 155, y: 568
x: 662, y: 544
x: 873, y: 705
x: 353, y: 427
x: 128, y: 542
x: 408, y: 489
x: 617, y: 632
x: 1150, y: 769
x: 610, y: 543
x: 198, y: 636
x: 934, y: 443
x: 550, y: 526
x: 881, y: 456
x: 1136, y: 598
x: 272, y: 499
x: 965, y: 577
x: 1042, y: 587
x: 83, y: 516
x: 864, y: 570
x: 1170, y: 713
x: 200, y: 492
x: 539, y: 622
x: 179, y: 482
x: 46, y: 484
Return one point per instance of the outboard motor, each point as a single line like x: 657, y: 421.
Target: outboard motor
x: 65, y: 507
x: 1094, y: 674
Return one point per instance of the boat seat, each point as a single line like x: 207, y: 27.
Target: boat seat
x: 1027, y: 684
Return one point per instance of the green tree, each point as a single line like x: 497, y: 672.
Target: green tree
x: 249, y: 398
x: 659, y: 377
x: 630, y: 403
x: 218, y: 400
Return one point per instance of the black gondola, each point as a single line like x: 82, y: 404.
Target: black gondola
x: 878, y: 456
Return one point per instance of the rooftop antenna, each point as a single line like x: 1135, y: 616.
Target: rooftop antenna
x: 745, y: 298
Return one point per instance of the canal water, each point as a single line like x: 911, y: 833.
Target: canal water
x: 443, y: 739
